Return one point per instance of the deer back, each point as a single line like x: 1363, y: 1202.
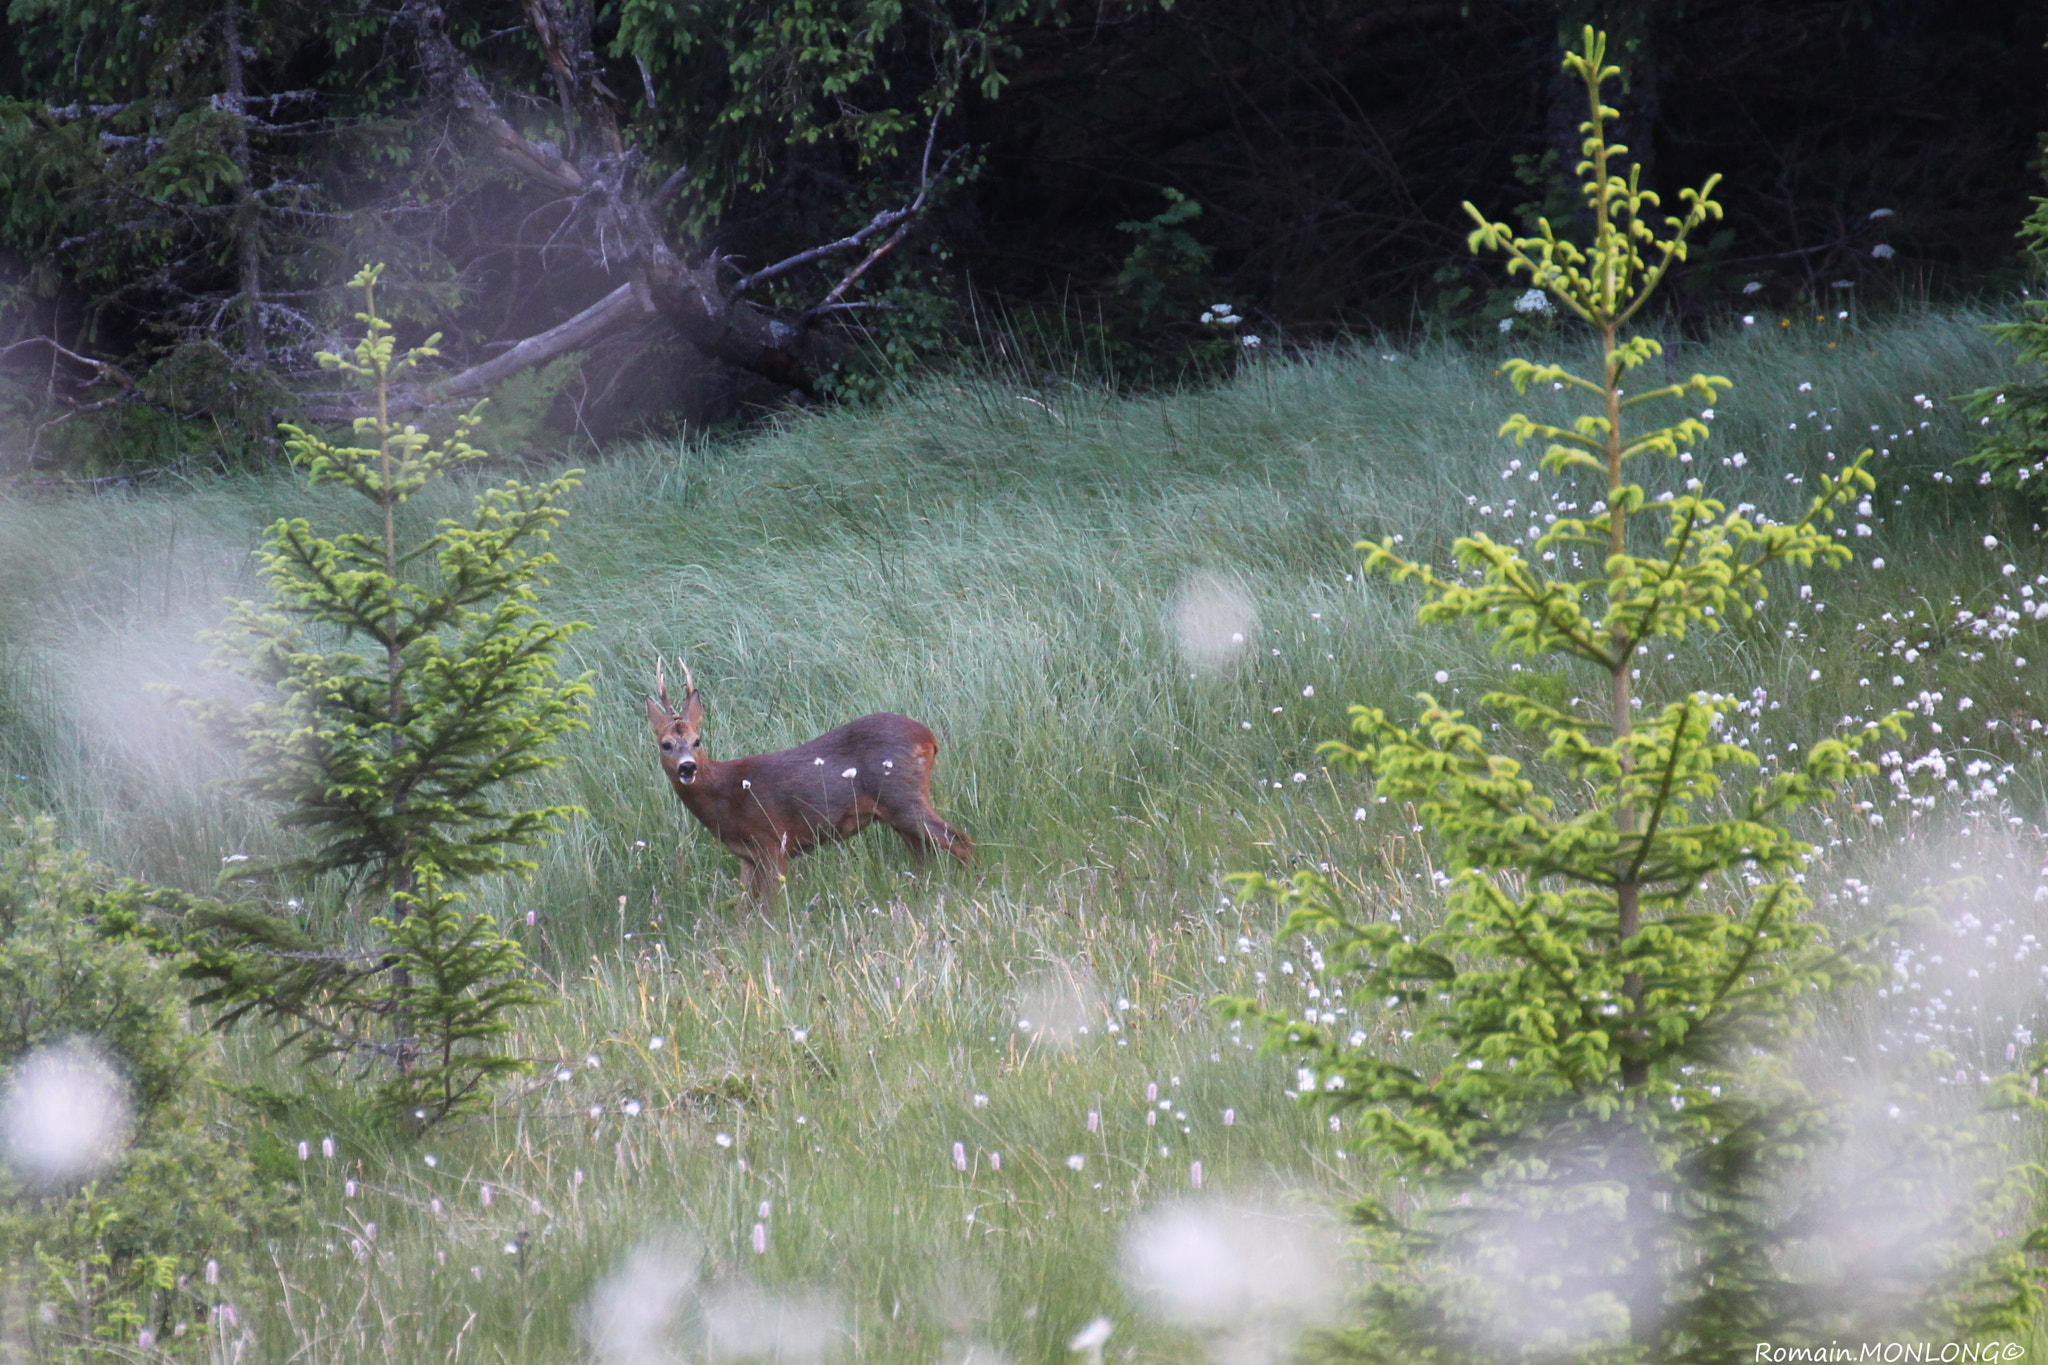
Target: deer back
x: 878, y: 766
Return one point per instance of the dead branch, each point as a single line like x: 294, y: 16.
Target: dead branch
x: 898, y: 218
x: 831, y: 300
x: 885, y: 219
x: 669, y: 187
x: 103, y: 371
x: 608, y: 312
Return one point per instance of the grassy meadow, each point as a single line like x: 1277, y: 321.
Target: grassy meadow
x: 930, y: 1117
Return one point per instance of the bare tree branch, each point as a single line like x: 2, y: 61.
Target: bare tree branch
x: 898, y: 218
x: 669, y: 187
x: 831, y: 300
x: 103, y: 371
x: 878, y: 305
x: 614, y: 308
x: 886, y: 219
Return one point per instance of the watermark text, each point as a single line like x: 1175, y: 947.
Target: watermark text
x: 1892, y: 1353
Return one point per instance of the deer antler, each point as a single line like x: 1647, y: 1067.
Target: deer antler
x: 660, y: 684
x: 689, y: 682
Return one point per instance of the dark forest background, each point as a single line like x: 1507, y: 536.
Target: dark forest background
x: 623, y: 214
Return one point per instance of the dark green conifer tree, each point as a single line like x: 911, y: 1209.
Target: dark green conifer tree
x: 2012, y: 445
x: 410, y: 686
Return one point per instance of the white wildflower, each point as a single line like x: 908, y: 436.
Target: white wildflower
x: 1091, y: 1337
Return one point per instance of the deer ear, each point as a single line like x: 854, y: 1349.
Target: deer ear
x: 693, y: 708
x: 658, y: 716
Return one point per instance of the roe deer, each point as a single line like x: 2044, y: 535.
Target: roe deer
x: 771, y: 807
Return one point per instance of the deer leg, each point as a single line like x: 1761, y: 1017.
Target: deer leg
x: 918, y: 842
x: 925, y: 831
x: 763, y: 878
x: 918, y: 838
x: 953, y: 841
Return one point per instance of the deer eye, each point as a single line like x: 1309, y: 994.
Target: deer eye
x: 696, y: 742
x: 667, y: 744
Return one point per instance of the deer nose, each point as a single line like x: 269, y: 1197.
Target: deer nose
x: 687, y: 770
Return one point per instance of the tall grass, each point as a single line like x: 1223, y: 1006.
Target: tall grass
x: 1009, y: 564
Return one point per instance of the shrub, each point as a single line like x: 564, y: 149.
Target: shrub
x: 106, y: 1249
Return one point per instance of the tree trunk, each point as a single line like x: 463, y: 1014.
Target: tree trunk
x: 248, y: 250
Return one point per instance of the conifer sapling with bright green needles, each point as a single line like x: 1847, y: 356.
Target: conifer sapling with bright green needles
x: 412, y: 685
x: 1600, y: 1160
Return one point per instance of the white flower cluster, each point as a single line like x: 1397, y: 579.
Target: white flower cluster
x: 1223, y: 315
x: 1535, y: 301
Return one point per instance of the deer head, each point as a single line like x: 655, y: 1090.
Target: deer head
x: 682, y: 744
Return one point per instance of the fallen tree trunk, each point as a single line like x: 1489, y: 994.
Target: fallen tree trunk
x: 601, y: 178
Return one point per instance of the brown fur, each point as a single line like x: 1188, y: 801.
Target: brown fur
x: 768, y: 808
